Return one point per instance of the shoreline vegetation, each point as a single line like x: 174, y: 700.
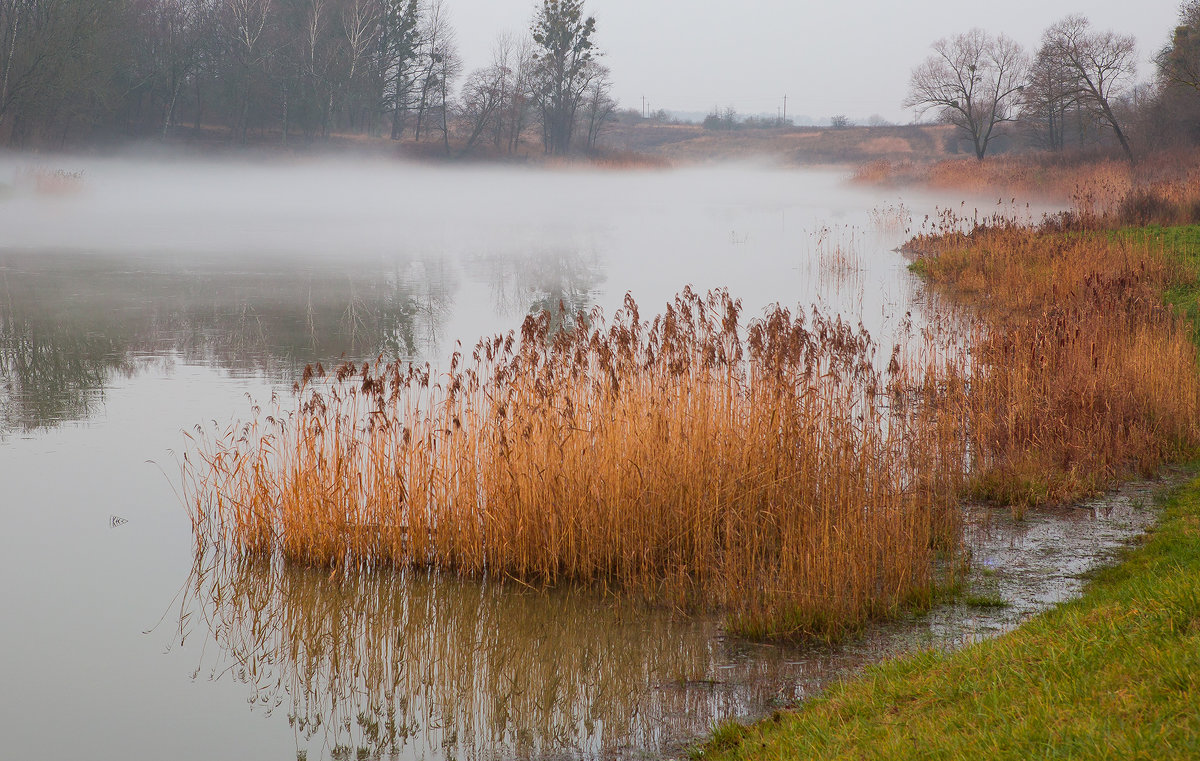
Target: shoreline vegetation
x: 684, y: 460
x: 1081, y: 371
x: 1113, y: 674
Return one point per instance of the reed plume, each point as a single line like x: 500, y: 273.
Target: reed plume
x: 762, y: 470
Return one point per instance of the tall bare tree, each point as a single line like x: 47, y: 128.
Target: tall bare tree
x: 1049, y: 96
x: 244, y: 31
x: 517, y: 57
x: 177, y: 31
x: 361, y: 29
x: 482, y: 99
x: 1101, y: 66
x: 973, y: 81
x: 598, y: 103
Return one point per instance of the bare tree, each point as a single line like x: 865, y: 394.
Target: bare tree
x: 433, y: 27
x: 440, y: 66
x: 1050, y: 95
x: 243, y: 25
x: 518, y: 56
x: 482, y: 98
x: 319, y: 52
x: 1101, y: 65
x: 400, y: 47
x: 174, y: 33
x: 598, y: 104
x: 973, y: 81
x: 361, y: 28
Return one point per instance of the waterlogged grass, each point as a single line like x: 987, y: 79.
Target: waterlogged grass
x: 1114, y: 674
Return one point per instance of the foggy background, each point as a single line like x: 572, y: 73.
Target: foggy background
x: 828, y: 58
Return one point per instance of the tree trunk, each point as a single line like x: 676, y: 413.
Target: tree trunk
x: 169, y: 117
x: 1112, y: 120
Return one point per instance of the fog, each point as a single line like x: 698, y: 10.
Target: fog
x: 475, y: 248
x: 357, y: 207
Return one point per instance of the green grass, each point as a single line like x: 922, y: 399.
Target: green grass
x: 1184, y: 243
x: 1114, y: 674
x: 984, y: 600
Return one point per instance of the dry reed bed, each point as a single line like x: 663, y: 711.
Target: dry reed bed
x: 1081, y: 376
x: 760, y: 470
x: 1163, y: 188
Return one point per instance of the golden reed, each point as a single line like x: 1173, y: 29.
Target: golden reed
x: 1081, y: 375
x: 768, y: 471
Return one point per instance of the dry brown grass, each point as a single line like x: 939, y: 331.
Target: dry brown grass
x: 759, y: 470
x: 891, y: 218
x: 1100, y: 192
x: 1081, y: 375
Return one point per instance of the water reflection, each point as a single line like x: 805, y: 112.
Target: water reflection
x: 72, y: 324
x: 422, y: 665
x: 542, y: 280
x: 413, y: 664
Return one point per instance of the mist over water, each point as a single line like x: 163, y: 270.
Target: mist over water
x: 141, y: 297
x: 498, y: 242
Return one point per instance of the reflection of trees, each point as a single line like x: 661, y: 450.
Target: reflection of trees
x: 69, y: 324
x: 49, y: 373
x: 542, y: 280
x: 429, y: 666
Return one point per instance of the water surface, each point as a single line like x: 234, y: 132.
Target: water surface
x: 139, y: 298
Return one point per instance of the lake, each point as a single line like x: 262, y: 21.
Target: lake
x: 140, y: 297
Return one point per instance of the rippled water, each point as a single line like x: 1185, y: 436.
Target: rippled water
x: 140, y: 298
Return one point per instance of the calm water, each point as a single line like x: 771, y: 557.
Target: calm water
x: 140, y: 298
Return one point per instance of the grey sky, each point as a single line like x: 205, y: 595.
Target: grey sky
x: 828, y: 57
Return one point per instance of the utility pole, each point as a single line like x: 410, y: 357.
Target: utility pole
x: 785, y: 107
x: 643, y: 106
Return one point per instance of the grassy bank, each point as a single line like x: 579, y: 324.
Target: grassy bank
x: 1114, y: 674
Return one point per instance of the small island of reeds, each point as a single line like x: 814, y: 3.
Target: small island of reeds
x: 784, y: 470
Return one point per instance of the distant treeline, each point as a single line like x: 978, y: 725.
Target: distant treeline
x: 1077, y: 90
x: 83, y: 70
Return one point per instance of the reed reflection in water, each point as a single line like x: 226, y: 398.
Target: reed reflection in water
x: 416, y: 664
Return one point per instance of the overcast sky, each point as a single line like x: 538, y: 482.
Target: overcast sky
x: 848, y: 57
